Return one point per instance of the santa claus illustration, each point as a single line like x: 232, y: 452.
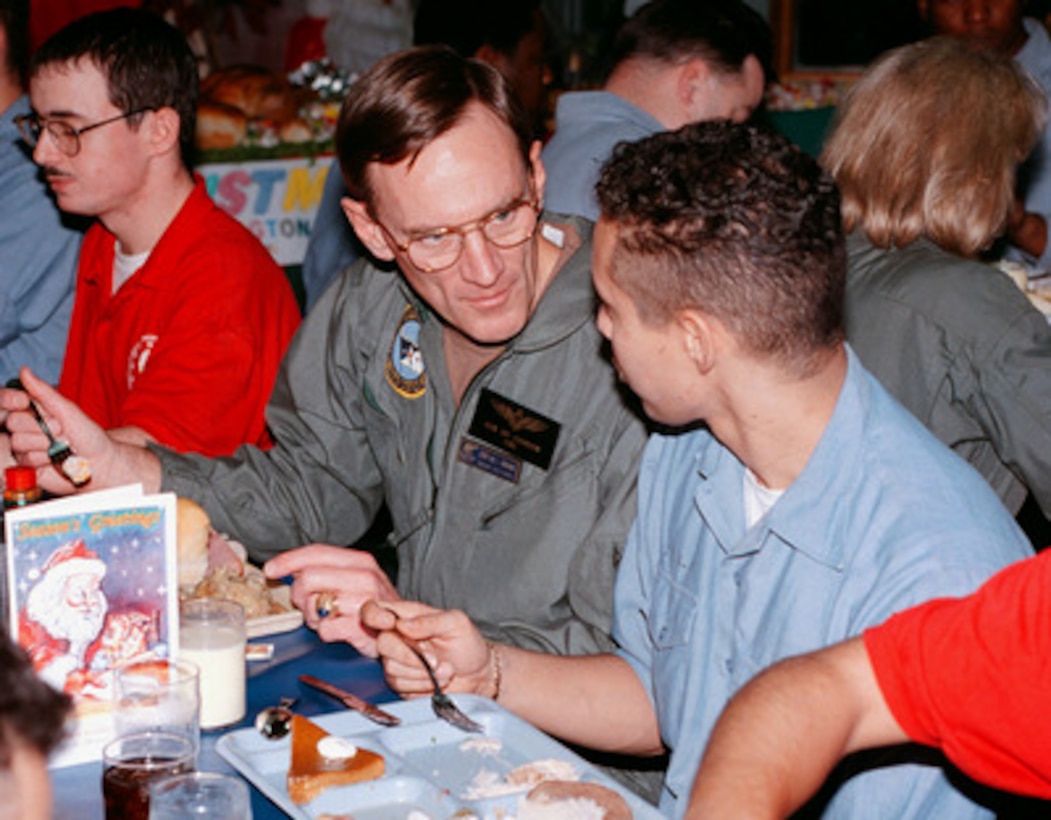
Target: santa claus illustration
x: 64, y: 614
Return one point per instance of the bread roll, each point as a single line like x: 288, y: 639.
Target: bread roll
x: 192, y: 530
x: 295, y: 130
x: 219, y: 126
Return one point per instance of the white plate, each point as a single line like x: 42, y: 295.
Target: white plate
x: 431, y: 765
x: 287, y: 620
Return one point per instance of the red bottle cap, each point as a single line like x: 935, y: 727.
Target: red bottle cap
x: 20, y: 479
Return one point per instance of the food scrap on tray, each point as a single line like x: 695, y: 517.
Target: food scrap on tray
x: 487, y: 783
x: 483, y: 745
x: 551, y: 800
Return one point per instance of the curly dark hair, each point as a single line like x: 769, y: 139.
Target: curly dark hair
x: 30, y: 710
x: 733, y: 220
x: 147, y: 64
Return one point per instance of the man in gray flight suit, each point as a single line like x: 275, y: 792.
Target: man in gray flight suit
x: 457, y: 377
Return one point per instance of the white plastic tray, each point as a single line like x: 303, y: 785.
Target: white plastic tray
x: 429, y: 767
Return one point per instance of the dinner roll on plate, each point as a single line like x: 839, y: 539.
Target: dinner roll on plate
x: 193, y: 527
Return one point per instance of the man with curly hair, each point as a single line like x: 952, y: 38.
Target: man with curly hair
x: 807, y: 507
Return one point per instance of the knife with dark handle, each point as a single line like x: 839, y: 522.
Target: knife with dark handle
x: 352, y: 701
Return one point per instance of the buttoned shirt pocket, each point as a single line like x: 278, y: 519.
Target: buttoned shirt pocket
x: 672, y: 615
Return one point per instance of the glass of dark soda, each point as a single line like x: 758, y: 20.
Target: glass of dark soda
x: 132, y: 762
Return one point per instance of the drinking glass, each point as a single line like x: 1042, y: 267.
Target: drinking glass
x: 158, y: 695
x: 212, y: 635
x: 200, y: 795
x: 132, y: 762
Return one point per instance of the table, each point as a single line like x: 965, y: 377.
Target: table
x: 78, y: 789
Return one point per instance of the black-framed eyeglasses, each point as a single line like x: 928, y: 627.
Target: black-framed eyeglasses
x: 64, y: 135
x: 507, y: 227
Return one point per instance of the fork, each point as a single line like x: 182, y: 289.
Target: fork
x: 442, y: 704
x: 74, y: 467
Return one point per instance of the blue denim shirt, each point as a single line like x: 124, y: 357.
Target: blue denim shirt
x: 39, y: 249
x: 883, y: 516
x: 588, y: 125
x: 333, y: 244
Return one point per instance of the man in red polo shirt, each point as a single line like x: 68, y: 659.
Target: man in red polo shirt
x: 181, y: 316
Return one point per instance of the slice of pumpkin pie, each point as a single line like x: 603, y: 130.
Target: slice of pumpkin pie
x: 321, y: 760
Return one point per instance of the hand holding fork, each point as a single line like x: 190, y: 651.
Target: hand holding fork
x: 379, y: 617
x: 442, y: 704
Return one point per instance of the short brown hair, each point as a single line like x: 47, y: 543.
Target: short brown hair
x: 735, y: 221
x: 927, y: 144
x: 724, y: 33
x: 146, y: 61
x: 410, y: 98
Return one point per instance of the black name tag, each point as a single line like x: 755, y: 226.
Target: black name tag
x: 515, y: 429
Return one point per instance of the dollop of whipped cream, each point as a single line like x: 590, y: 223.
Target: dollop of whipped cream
x: 336, y: 748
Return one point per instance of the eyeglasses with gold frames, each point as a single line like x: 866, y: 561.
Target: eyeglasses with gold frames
x: 507, y: 227
x: 64, y: 135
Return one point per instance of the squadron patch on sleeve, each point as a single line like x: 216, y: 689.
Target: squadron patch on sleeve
x: 404, y: 367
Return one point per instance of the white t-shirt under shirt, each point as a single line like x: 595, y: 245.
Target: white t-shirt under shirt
x: 125, y: 265
x: 757, y: 499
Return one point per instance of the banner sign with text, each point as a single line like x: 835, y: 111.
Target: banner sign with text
x: 276, y: 199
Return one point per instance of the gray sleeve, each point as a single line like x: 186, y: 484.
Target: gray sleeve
x: 1013, y: 396
x: 594, y: 572
x: 320, y: 482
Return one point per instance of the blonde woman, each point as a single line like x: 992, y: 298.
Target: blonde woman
x: 925, y: 149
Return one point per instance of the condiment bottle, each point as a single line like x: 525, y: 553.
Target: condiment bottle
x: 20, y: 490
x: 20, y: 487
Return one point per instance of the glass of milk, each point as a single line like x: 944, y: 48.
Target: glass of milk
x: 212, y: 636
x: 157, y: 695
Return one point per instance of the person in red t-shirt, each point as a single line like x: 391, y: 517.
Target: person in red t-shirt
x: 970, y: 676
x: 181, y: 316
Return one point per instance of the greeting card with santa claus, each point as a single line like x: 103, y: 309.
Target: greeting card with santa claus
x: 92, y: 584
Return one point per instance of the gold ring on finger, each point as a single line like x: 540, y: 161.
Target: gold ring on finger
x: 327, y: 605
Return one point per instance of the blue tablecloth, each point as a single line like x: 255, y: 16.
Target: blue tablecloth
x: 78, y: 789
